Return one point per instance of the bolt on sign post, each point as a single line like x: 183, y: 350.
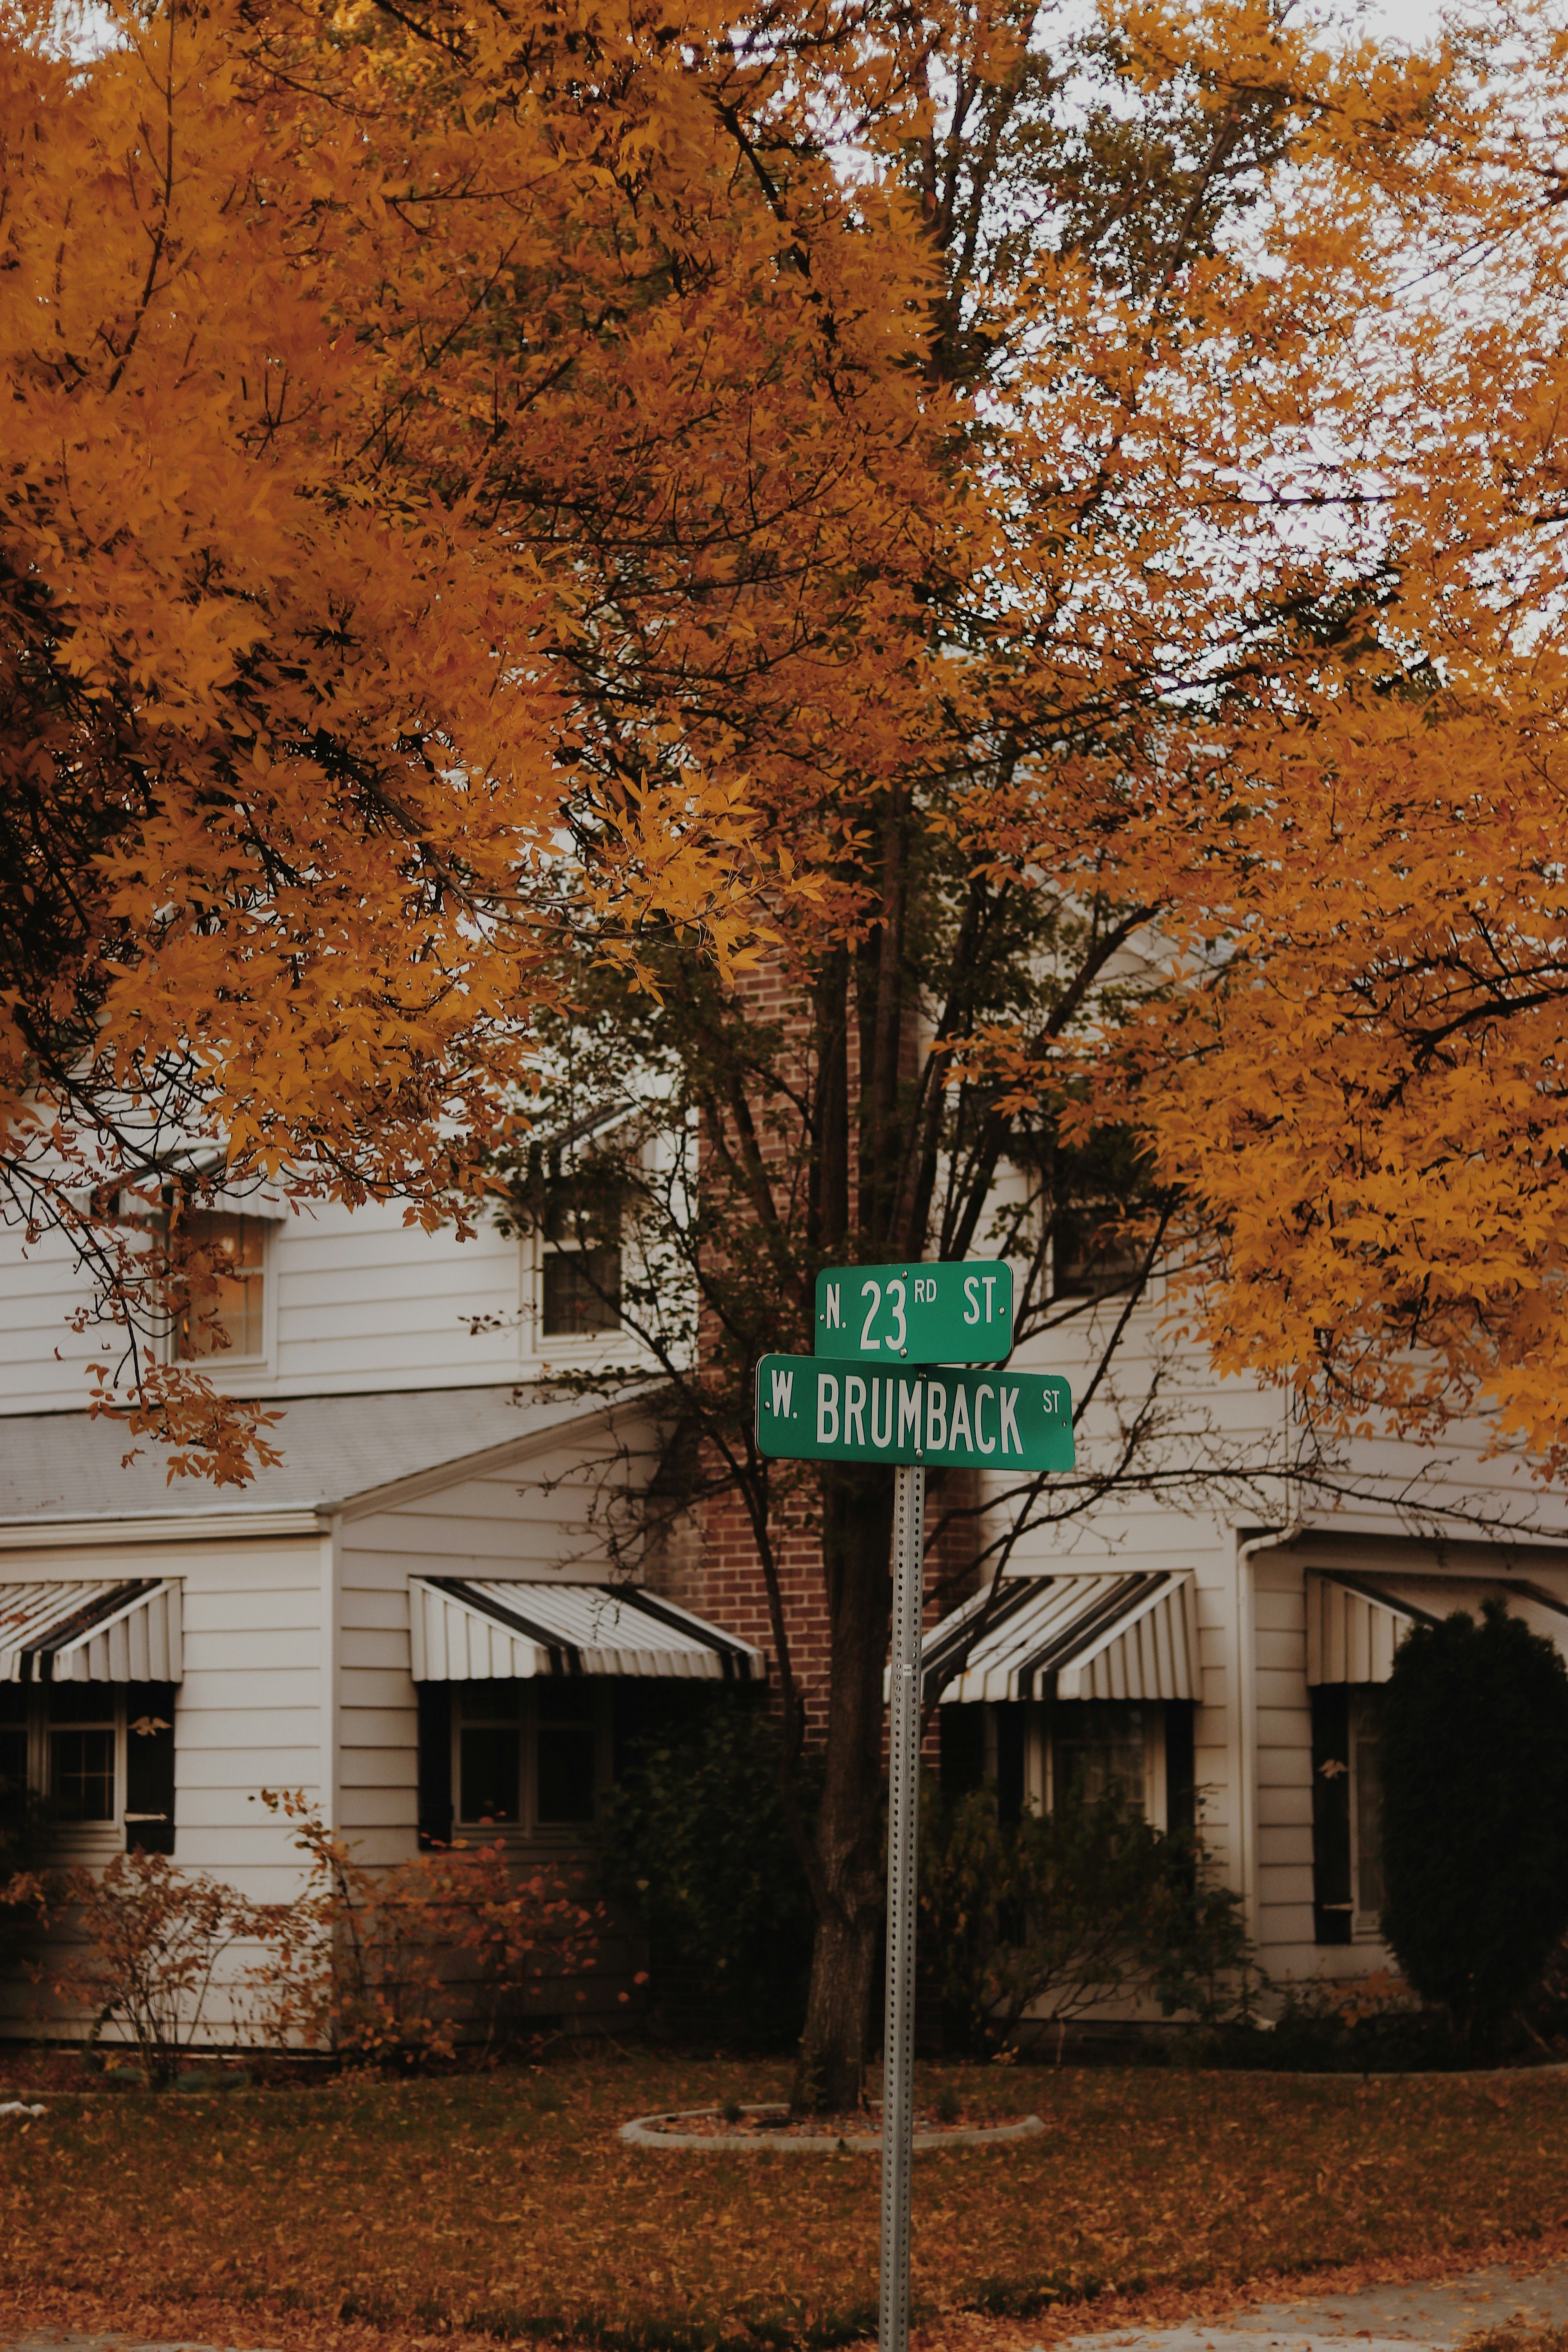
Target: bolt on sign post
x: 926, y: 1321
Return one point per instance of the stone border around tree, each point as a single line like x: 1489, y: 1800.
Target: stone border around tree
x: 639, y: 2133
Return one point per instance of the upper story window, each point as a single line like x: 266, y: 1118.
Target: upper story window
x: 224, y: 1295
x: 579, y: 1270
x: 1091, y: 1257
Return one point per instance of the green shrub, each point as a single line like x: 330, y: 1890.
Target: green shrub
x: 1372, y: 2025
x: 696, y: 1845
x: 1064, y: 1912
x: 1474, y: 1815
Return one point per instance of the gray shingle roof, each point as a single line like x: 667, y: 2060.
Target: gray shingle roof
x: 66, y: 1465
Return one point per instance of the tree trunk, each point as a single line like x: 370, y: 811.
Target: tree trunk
x: 830, y: 2072
x: 857, y: 1538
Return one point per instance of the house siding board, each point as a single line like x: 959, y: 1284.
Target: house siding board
x: 1283, y: 1758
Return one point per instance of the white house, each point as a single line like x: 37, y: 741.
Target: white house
x: 433, y: 1612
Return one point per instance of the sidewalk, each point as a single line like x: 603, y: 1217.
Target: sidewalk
x: 1426, y: 2316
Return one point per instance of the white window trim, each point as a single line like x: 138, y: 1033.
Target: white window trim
x: 219, y: 1366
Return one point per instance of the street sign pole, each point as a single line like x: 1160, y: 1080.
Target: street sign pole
x: 906, y: 1372
x: 903, y: 1839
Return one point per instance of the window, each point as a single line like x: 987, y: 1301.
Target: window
x: 1099, y: 1748
x: 82, y: 1751
x: 1091, y: 1257
x: 1141, y: 1749
x: 566, y: 1743
x: 581, y: 1271
x: 525, y: 1755
x: 489, y: 1753
x: 582, y: 1293
x: 99, y: 1756
x: 224, y: 1292
x: 13, y: 1751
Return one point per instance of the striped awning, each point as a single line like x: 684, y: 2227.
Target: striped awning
x: 1092, y: 1636
x: 1355, y: 1622
x: 104, y: 1632
x: 464, y: 1630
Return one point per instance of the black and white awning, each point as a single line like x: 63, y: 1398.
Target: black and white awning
x: 107, y: 1630
x: 1355, y: 1622
x: 1092, y: 1636
x: 468, y: 1630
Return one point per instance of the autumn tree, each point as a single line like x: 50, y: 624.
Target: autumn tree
x: 445, y: 455
x: 1146, y: 235
x: 1358, y: 1069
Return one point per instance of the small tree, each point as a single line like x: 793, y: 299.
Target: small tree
x: 152, y: 1942
x: 1475, y: 1814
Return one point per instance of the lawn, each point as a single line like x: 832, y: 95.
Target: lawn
x: 504, y: 2206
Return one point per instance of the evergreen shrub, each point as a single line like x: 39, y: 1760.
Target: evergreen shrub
x: 1473, y: 1747
x: 695, y: 1843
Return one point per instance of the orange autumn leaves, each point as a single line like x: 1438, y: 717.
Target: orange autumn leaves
x: 445, y: 461
x: 507, y: 2205
x: 1342, y: 818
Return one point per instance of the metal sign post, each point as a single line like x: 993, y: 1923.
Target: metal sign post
x: 903, y: 1849
x: 882, y: 1387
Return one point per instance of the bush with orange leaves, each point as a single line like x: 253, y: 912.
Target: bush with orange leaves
x: 395, y: 1967
x: 143, y: 1946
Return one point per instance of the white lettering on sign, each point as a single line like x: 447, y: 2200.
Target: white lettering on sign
x: 828, y: 1407
x: 1009, y: 1400
x: 909, y: 1411
x: 926, y: 1291
x: 882, y: 1423
x: 896, y: 1297
x: 960, y: 1421
x: 873, y: 1291
x: 983, y: 1395
x: 854, y: 1410
x: 936, y: 1416
x: 831, y: 1296
x: 783, y: 1390
x: 990, y: 1282
x: 972, y: 1293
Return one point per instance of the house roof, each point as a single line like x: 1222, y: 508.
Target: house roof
x: 69, y: 1467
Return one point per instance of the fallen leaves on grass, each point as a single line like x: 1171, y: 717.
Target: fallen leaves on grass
x: 506, y: 2207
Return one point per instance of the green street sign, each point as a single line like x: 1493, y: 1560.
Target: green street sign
x: 957, y: 1313
x: 809, y: 1410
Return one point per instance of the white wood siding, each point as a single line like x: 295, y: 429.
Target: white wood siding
x: 248, y: 1714
x: 357, y: 1301
x: 538, y: 1518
